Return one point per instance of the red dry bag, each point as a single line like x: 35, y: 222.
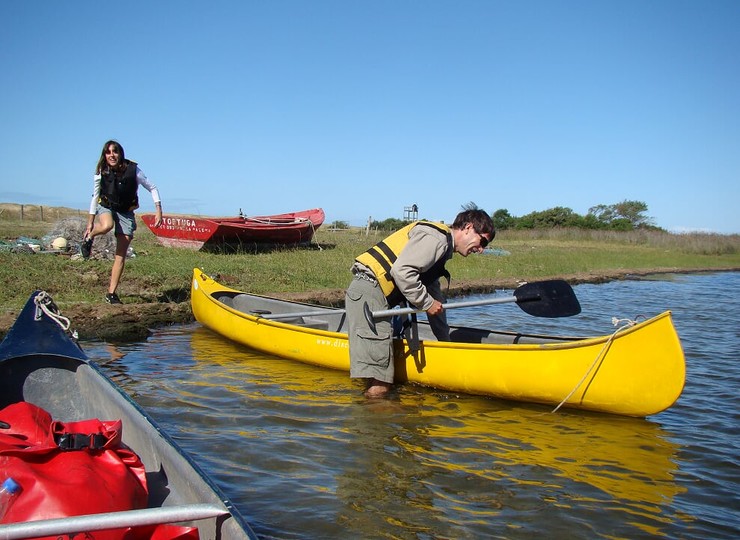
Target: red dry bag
x: 69, y: 469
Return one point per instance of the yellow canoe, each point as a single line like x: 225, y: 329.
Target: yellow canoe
x: 637, y: 371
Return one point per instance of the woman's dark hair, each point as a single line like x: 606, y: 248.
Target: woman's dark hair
x: 103, y: 164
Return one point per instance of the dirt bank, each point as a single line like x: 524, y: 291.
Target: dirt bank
x: 134, y: 321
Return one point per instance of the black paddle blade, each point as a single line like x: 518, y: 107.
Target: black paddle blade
x: 553, y: 298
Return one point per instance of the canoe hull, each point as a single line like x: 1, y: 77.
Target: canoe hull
x: 639, y: 371
x: 41, y: 364
x: 194, y: 232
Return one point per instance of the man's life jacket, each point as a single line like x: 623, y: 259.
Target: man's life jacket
x: 382, y: 255
x: 118, y: 188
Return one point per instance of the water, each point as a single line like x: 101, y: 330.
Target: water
x: 304, y: 456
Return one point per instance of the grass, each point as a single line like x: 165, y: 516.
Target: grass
x: 158, y: 273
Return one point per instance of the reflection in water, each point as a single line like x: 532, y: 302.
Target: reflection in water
x: 115, y: 353
x: 470, y: 466
x: 626, y: 458
x: 627, y: 461
x: 425, y: 464
x: 381, y: 486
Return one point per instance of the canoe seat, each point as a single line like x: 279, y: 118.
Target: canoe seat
x: 318, y: 324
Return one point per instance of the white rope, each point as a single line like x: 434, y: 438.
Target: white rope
x: 314, y: 236
x: 45, y: 303
x: 624, y: 323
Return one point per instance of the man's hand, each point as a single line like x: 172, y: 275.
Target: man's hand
x: 436, y: 308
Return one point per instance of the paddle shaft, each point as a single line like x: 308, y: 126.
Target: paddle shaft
x: 453, y: 305
x: 389, y: 312
x: 551, y: 298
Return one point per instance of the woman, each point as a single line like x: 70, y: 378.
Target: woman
x: 114, y: 200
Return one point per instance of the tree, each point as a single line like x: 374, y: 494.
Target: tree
x: 625, y: 215
x: 554, y: 217
x: 390, y: 224
x: 503, y: 220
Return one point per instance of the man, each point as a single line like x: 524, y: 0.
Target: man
x: 406, y: 266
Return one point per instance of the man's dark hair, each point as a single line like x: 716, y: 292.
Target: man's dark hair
x: 478, y: 218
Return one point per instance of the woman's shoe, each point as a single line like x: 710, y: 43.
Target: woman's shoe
x: 112, y: 298
x: 86, y: 248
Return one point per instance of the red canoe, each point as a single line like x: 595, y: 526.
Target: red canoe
x: 248, y: 231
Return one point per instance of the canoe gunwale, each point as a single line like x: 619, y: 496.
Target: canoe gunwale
x: 72, y: 525
x: 566, y: 342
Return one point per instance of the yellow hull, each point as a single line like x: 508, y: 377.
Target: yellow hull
x: 639, y: 371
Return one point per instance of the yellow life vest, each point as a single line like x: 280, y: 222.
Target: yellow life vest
x: 382, y: 255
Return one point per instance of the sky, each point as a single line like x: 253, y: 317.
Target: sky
x: 364, y: 108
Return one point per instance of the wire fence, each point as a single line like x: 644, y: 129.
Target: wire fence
x: 37, y: 213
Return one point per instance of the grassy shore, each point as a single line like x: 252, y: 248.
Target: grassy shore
x: 157, y: 279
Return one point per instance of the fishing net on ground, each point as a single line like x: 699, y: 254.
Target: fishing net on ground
x: 72, y: 230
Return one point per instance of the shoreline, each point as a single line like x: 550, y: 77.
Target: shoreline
x: 134, y: 321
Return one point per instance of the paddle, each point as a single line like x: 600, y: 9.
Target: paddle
x: 552, y: 298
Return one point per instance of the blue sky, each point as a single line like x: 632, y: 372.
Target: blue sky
x: 365, y: 107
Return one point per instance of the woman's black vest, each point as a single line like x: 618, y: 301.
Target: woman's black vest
x: 118, y: 188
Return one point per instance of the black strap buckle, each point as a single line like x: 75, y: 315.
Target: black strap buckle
x: 80, y: 441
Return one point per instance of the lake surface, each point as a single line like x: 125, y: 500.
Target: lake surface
x: 303, y: 455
